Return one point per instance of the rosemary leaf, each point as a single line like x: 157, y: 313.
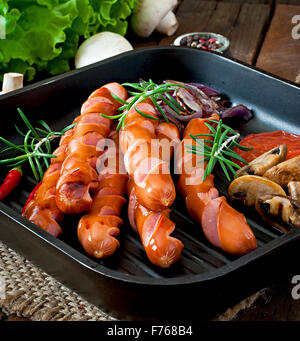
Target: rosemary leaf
x: 174, y: 102
x: 159, y: 109
x: 12, y: 165
x: 34, y: 171
x: 12, y: 144
x: 28, y: 124
x: 235, y: 156
x: 19, y: 131
x: 220, y: 150
x: 199, y: 135
x: 210, y: 127
x: 145, y: 115
x: 17, y: 158
x: 134, y: 86
x: 67, y: 128
x: 170, y: 104
x: 229, y: 162
x: 111, y: 117
x: 118, y: 98
x: 232, y: 171
x: 241, y: 147
x: 39, y: 167
x: 41, y: 131
x: 224, y: 170
x: 45, y: 125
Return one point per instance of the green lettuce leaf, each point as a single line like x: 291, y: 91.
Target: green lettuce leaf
x: 44, y: 35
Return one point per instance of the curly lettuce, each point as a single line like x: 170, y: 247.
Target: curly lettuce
x: 44, y: 35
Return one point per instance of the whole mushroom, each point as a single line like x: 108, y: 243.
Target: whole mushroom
x: 248, y: 188
x: 101, y: 46
x: 153, y: 15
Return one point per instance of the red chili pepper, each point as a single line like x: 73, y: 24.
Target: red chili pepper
x: 10, y: 182
x: 30, y: 197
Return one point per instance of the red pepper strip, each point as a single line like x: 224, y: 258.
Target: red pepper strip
x: 10, y: 182
x: 30, y: 197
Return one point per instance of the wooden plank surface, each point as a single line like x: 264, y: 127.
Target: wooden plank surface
x: 244, y: 24
x: 280, y: 53
x: 193, y: 16
x: 276, y: 304
x: 248, y: 32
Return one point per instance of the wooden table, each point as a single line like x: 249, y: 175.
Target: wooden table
x: 260, y: 34
x: 260, y: 31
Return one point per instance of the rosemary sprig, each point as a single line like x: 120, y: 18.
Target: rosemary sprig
x: 157, y: 93
x: 220, y: 148
x: 36, y: 147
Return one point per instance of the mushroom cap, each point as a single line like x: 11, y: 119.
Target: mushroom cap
x: 101, y: 46
x: 148, y: 15
x: 294, y: 189
x: 285, y: 172
x: 248, y: 188
x: 265, y: 161
x: 280, y: 211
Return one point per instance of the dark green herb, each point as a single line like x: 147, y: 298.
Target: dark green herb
x: 157, y: 93
x: 36, y: 147
x: 224, y: 139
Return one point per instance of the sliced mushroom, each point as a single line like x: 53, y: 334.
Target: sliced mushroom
x: 248, y: 188
x: 265, y: 161
x: 294, y: 189
x: 285, y: 172
x: 280, y: 211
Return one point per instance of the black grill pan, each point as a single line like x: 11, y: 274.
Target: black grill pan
x: 205, y: 281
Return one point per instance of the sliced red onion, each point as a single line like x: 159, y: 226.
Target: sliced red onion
x: 179, y: 120
x: 238, y: 111
x: 210, y: 92
x: 195, y: 99
x: 172, y: 116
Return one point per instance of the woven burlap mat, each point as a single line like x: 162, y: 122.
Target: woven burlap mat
x: 32, y: 293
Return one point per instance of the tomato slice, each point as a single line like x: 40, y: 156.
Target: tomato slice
x: 263, y: 142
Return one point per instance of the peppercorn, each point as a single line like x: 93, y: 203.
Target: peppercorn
x: 196, y: 41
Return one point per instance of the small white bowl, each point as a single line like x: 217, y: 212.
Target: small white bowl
x: 206, y: 35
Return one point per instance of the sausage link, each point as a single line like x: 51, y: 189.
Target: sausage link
x: 42, y: 209
x: 154, y: 229
x: 99, y: 227
x: 222, y: 225
x: 139, y: 142
x: 78, y: 177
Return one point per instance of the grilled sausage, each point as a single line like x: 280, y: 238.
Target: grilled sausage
x: 154, y: 229
x: 153, y: 183
x: 78, y: 177
x: 42, y: 209
x: 99, y: 227
x: 222, y: 225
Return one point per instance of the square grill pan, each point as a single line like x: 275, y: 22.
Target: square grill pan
x: 205, y: 280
